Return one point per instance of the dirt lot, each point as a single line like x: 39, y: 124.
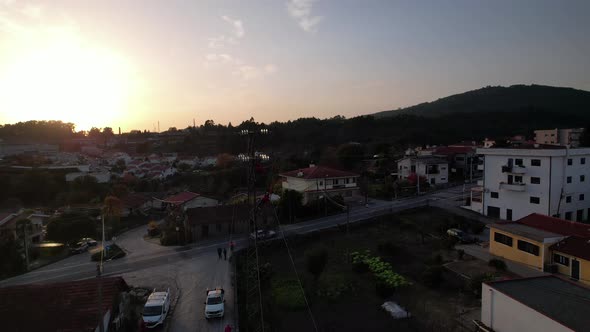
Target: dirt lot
x: 344, y: 300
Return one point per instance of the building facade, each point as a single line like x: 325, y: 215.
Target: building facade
x: 553, y: 181
x: 434, y: 169
x: 315, y: 181
x: 565, y: 137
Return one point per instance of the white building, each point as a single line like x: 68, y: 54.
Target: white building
x: 553, y: 181
x: 545, y: 303
x: 566, y: 137
x: 315, y: 181
x: 434, y: 169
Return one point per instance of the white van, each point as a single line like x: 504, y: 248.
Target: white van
x: 156, y: 308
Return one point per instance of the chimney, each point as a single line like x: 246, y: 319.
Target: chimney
x: 119, y: 131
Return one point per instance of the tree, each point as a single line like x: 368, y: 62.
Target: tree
x: 11, y: 260
x: 111, y: 210
x: 183, y: 167
x: 70, y: 227
x: 291, y: 204
x: 350, y: 155
x: 315, y: 261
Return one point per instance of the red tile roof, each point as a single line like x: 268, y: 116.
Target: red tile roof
x: 575, y: 246
x: 64, y: 306
x: 181, y: 198
x: 318, y: 172
x: 134, y: 200
x: 556, y: 225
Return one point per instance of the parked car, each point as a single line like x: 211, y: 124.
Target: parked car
x: 79, y: 247
x: 91, y: 242
x: 263, y: 234
x: 461, y: 235
x: 215, y: 303
x: 156, y: 308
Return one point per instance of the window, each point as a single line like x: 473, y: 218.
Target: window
x: 321, y: 183
x: 510, y: 161
x: 570, y: 161
x: 528, y: 247
x: 494, y: 212
x: 413, y: 168
x: 518, y: 162
x: 581, y: 197
x: 568, y: 216
x: 494, y: 194
x: 569, y: 179
x: 517, y: 179
x: 504, y: 239
x: 509, y: 214
x: 568, y: 199
x: 583, y: 161
x: 535, y: 162
x: 400, y: 167
x: 535, y: 200
x: 535, y: 180
x: 557, y: 258
x: 580, y: 215
x: 582, y: 178
x: 443, y: 179
x: 347, y: 180
x: 353, y: 180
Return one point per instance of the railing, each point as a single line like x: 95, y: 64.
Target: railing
x: 513, y: 186
x: 513, y: 169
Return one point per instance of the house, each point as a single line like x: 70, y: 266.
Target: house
x: 212, y: 221
x: 566, y: 137
x: 38, y: 222
x: 315, y: 181
x: 462, y: 159
x: 571, y: 256
x: 434, y: 169
x: 528, y: 240
x: 8, y: 222
x: 545, y: 303
x: 65, y: 306
x: 188, y: 200
x: 135, y: 204
x: 546, y: 179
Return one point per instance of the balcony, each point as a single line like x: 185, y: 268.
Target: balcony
x: 513, y: 169
x: 513, y: 186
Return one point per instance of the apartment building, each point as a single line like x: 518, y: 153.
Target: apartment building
x: 566, y: 137
x: 545, y: 179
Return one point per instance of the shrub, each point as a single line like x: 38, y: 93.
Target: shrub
x: 460, y: 254
x: 333, y: 285
x: 389, y: 248
x: 477, y: 227
x: 153, y: 229
x: 287, y: 294
x: 498, y: 264
x: 432, y: 276
x: 449, y: 242
x: 316, y: 261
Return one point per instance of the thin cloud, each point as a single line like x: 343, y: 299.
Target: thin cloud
x: 301, y: 10
x: 237, y: 25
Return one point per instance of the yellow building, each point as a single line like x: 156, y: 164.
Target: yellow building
x: 572, y: 258
x: 528, y: 240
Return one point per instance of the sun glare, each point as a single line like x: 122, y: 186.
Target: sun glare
x: 64, y: 79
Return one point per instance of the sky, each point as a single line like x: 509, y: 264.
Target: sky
x: 132, y: 64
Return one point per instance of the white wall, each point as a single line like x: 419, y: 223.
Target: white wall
x: 201, y: 201
x: 503, y: 314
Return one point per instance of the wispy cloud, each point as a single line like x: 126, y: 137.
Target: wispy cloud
x: 237, y: 25
x: 300, y: 10
x: 220, y: 41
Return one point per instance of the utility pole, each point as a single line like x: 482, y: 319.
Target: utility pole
x: 417, y: 178
x: 99, y: 276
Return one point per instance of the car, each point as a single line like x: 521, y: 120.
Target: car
x: 79, y: 247
x: 156, y: 308
x: 461, y: 235
x: 91, y: 242
x: 215, y: 303
x: 263, y: 234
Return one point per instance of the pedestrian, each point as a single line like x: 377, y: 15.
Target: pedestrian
x: 231, y: 246
x: 224, y: 254
x: 218, y: 253
x: 228, y: 328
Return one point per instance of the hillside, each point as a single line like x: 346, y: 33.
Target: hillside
x: 503, y: 99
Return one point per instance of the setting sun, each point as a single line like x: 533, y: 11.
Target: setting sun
x: 60, y: 77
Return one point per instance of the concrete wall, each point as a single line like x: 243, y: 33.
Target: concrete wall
x: 514, y: 254
x: 504, y: 314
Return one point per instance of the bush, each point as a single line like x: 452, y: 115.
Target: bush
x: 316, y: 261
x: 477, y: 227
x: 432, y: 276
x: 168, y: 240
x: 113, y: 252
x: 360, y: 267
x: 333, y: 285
x: 449, y: 242
x: 287, y: 294
x: 460, y: 254
x: 388, y: 248
x: 498, y: 264
x: 153, y: 229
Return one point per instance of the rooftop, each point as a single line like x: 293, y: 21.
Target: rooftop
x: 51, y: 301
x: 556, y: 225
x: 560, y: 300
x: 134, y: 200
x: 181, y: 198
x: 429, y: 160
x: 528, y: 232
x: 318, y: 172
x: 575, y: 246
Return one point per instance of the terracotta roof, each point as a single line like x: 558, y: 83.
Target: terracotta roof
x: 64, y: 306
x: 134, y: 200
x: 217, y: 214
x: 318, y: 172
x: 181, y: 198
x: 556, y: 225
x: 575, y: 246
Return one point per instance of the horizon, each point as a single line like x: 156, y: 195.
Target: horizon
x: 150, y: 62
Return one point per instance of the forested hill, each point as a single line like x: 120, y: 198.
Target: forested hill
x: 503, y: 99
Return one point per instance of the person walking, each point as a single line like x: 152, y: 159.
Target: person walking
x: 218, y: 253
x: 224, y: 254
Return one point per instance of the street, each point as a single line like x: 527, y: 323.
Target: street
x: 189, y: 271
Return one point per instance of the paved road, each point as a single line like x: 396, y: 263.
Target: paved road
x: 190, y: 271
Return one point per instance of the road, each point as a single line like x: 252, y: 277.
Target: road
x: 189, y: 271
